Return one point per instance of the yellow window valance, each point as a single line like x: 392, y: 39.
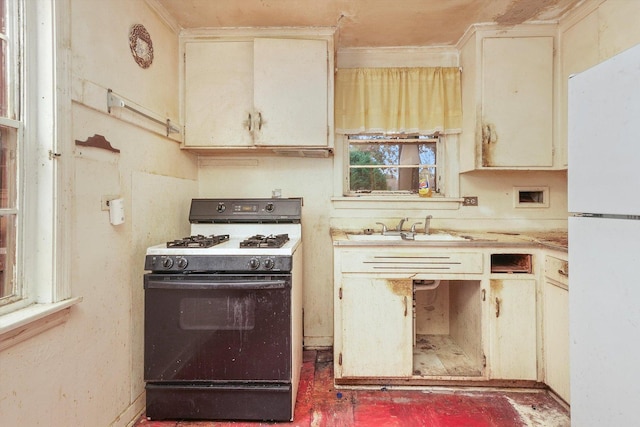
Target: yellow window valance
x: 398, y: 100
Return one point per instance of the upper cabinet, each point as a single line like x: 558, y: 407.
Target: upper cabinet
x: 218, y: 94
x: 508, y: 83
x: 258, y: 92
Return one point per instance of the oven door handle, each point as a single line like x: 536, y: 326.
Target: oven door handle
x: 223, y: 285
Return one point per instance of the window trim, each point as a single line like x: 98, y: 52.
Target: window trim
x: 46, y: 103
x: 451, y: 201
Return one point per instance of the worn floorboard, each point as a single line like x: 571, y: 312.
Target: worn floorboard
x: 440, y: 355
x: 320, y: 404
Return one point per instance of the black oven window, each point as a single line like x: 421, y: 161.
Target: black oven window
x: 224, y: 313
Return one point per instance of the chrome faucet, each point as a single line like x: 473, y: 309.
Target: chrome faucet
x: 400, y: 224
x: 394, y: 232
x: 427, y: 224
x: 384, y: 228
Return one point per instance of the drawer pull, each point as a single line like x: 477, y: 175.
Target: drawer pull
x: 564, y: 271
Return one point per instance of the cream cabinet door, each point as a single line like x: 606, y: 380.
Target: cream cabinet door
x: 291, y: 92
x: 512, y: 336
x: 377, y: 327
x: 555, y: 312
x: 218, y: 94
x: 517, y: 102
x: 556, y: 338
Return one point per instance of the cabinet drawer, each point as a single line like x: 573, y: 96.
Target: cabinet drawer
x: 556, y: 269
x: 411, y: 262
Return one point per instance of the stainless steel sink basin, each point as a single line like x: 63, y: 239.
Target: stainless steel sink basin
x: 435, y: 237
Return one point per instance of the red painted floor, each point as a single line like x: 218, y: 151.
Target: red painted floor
x: 319, y: 404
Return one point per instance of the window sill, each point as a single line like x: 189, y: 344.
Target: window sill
x: 395, y: 202
x: 25, y: 323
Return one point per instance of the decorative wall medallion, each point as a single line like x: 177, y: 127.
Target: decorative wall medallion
x: 141, y: 45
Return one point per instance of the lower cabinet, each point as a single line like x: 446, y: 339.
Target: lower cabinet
x: 512, y: 329
x: 447, y: 326
x: 556, y: 326
x: 376, y: 327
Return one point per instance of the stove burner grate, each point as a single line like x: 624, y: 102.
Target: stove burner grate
x: 260, y: 241
x: 198, y: 241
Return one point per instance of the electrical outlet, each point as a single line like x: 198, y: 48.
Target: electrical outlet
x: 105, y: 201
x: 470, y: 201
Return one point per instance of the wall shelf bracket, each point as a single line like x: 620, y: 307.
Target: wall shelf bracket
x: 114, y: 100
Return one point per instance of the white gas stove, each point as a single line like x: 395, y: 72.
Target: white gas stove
x: 223, y: 313
x: 233, y: 235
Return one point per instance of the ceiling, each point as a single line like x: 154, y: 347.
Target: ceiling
x: 368, y: 23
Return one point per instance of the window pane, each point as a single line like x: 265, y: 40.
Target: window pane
x: 8, y: 180
x: 4, y: 61
x: 7, y: 256
x: 4, y: 80
x: 8, y: 171
x: 3, y: 16
x: 372, y: 179
x: 378, y: 163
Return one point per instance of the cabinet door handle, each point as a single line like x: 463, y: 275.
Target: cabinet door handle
x: 484, y: 295
x: 497, y: 307
x: 259, y: 121
x: 405, y: 306
x: 250, y: 123
x: 491, y: 135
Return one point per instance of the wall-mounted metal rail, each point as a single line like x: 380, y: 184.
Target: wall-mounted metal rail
x: 114, y: 100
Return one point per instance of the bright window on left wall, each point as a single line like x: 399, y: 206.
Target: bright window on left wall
x: 10, y: 138
x: 35, y: 162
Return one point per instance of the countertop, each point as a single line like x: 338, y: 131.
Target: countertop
x: 556, y: 240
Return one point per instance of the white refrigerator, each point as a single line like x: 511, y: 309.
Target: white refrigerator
x: 604, y: 242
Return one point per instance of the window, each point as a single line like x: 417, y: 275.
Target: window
x: 10, y: 138
x: 394, y: 164
x: 35, y: 168
x: 400, y: 126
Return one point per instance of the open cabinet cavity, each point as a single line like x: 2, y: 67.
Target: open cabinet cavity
x: 447, y: 328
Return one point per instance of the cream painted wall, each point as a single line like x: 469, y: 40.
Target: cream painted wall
x: 88, y: 371
x: 496, y: 210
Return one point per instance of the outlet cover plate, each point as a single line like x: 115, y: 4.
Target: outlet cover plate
x: 470, y: 201
x: 105, y: 201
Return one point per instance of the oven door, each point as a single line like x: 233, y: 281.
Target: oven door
x: 217, y: 328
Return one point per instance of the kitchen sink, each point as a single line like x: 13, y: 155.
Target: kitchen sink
x: 434, y: 237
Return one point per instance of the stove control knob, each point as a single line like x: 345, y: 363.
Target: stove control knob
x: 182, y: 263
x: 167, y: 263
x: 269, y: 263
x: 221, y: 208
x: 269, y: 207
x: 254, y: 263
